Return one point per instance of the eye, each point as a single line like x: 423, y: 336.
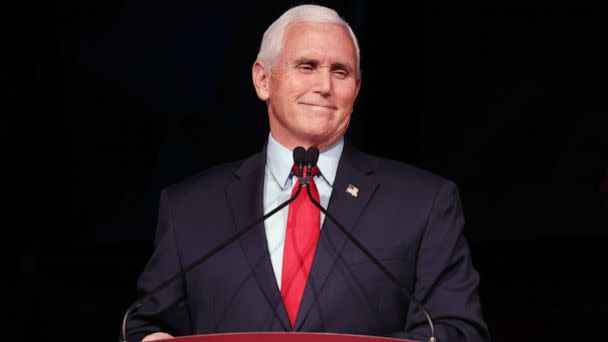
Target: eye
x: 341, y: 74
x: 305, y: 68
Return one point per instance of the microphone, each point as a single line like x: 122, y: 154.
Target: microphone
x: 299, y: 158
x: 312, y: 156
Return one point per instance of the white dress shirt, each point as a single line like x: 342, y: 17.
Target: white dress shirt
x: 278, y: 185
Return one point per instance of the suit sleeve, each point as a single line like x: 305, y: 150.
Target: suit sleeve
x: 446, y: 282
x: 165, y: 311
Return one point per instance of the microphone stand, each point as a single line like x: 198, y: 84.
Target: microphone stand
x: 299, y: 161
x: 306, y: 181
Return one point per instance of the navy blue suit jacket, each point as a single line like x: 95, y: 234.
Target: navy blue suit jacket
x: 409, y: 219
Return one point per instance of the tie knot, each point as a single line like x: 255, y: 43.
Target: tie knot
x: 314, y: 171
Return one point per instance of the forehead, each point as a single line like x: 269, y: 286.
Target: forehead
x: 319, y: 41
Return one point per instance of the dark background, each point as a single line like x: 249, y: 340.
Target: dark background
x: 509, y: 101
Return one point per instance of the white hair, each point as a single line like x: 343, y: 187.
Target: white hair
x: 272, y: 42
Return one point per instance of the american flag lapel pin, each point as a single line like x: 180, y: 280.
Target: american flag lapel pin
x: 352, y: 190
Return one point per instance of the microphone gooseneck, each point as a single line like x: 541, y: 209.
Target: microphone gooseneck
x: 299, y: 156
x: 312, y: 156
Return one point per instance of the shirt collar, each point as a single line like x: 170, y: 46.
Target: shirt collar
x: 279, y: 160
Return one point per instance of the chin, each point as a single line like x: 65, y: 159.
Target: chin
x: 313, y: 137
x: 317, y: 133
x: 317, y: 127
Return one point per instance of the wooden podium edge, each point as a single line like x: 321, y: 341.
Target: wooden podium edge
x: 286, y: 336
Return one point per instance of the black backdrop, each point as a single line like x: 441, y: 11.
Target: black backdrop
x: 509, y: 101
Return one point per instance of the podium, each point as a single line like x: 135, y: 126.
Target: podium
x: 284, y: 337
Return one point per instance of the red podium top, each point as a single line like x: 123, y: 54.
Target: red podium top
x: 283, y: 337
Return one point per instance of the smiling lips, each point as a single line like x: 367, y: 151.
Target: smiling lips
x: 319, y: 105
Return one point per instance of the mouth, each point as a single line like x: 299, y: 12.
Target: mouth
x: 325, y: 106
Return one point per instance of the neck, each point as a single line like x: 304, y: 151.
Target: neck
x: 291, y: 142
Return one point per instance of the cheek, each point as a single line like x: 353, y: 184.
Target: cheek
x: 347, y: 96
x: 297, y: 88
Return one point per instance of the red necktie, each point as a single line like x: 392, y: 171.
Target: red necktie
x: 303, y: 228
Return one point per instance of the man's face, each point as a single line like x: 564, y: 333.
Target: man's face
x: 313, y: 85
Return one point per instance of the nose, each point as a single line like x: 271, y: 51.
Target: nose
x: 323, y: 82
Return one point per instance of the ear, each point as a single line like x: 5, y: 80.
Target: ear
x: 261, y: 80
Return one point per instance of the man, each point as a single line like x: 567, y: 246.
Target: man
x: 308, y: 74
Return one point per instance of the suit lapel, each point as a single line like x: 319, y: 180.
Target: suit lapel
x: 245, y: 197
x: 346, y: 208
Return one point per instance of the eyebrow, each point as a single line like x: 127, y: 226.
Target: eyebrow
x: 334, y: 66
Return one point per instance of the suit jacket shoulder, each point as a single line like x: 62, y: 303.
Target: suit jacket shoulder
x: 401, y: 176
x: 214, y: 179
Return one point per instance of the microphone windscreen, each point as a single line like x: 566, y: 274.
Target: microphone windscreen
x: 299, y: 155
x: 312, y: 156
